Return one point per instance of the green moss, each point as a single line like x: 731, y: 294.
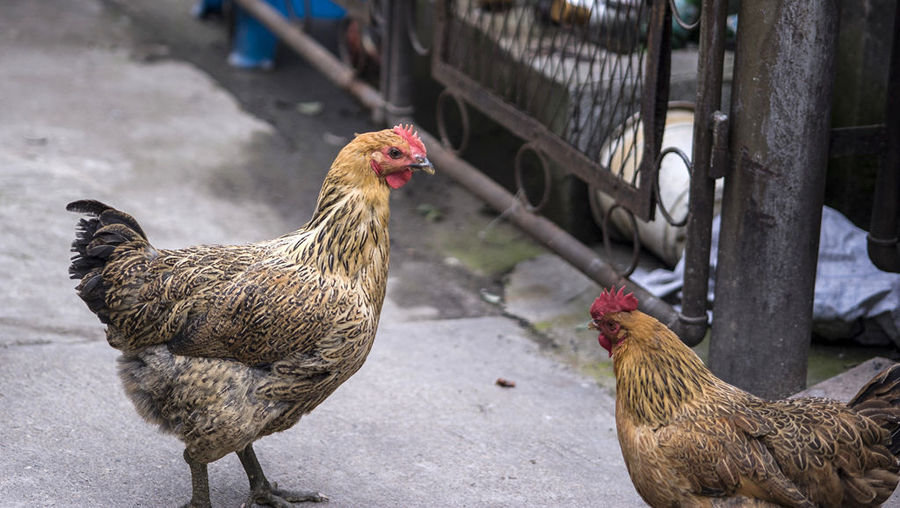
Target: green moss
x: 489, y: 250
x: 602, y: 372
x: 543, y: 326
x: 827, y: 361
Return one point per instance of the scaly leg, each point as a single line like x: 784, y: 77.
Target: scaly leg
x: 199, y: 484
x: 262, y: 492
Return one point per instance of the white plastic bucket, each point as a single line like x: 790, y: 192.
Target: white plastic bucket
x: 657, y: 236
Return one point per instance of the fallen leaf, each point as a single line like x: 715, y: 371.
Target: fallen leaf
x: 310, y: 108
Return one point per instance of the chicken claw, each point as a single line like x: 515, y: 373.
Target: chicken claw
x: 279, y: 498
x: 264, y: 493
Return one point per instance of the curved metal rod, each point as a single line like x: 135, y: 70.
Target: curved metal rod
x: 442, y: 127
x: 520, y: 183
x: 411, y: 23
x: 635, y: 238
x: 594, y: 205
x: 682, y: 23
x: 597, y: 212
x: 659, y: 204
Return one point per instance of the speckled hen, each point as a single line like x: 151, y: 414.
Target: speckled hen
x: 222, y: 345
x: 690, y: 439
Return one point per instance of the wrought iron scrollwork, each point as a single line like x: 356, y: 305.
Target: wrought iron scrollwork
x: 659, y: 203
x: 635, y: 239
x: 520, y: 181
x: 564, y: 78
x: 411, y: 30
x: 442, y: 126
x: 681, y: 22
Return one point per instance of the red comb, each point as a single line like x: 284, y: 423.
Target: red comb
x: 412, y: 137
x: 612, y: 301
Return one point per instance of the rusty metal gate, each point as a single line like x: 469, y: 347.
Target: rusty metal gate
x: 584, y: 82
x: 573, y: 78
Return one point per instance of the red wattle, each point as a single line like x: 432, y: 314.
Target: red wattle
x: 605, y: 342
x: 398, y: 179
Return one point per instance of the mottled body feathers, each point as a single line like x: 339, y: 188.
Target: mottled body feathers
x: 222, y: 345
x: 690, y: 439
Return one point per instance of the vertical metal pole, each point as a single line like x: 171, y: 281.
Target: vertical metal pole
x: 396, y: 66
x: 773, y: 199
x: 883, y: 245
x: 692, y: 318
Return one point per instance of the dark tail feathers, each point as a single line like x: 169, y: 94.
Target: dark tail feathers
x: 879, y: 400
x: 96, y: 238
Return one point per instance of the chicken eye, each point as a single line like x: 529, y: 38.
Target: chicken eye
x: 395, y: 153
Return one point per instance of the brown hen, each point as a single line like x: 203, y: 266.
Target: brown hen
x: 222, y: 345
x: 690, y: 439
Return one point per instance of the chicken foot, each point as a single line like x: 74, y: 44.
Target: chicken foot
x: 264, y: 493
x: 199, y: 484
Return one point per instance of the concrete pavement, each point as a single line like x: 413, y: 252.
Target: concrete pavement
x: 422, y: 424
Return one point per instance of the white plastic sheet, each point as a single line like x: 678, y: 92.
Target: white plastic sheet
x: 853, y: 298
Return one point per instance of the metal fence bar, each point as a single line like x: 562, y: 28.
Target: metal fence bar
x: 693, y: 318
x: 883, y: 244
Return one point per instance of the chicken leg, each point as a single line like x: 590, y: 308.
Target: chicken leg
x: 264, y: 493
x: 199, y: 484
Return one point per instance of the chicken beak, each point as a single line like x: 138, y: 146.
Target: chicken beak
x: 424, y: 164
x: 593, y: 326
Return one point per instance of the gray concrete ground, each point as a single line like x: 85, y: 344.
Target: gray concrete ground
x: 132, y: 103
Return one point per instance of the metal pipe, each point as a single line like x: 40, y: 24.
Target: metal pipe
x: 541, y: 229
x: 462, y: 172
x: 692, y: 318
x: 320, y: 58
x: 774, y: 193
x: 396, y: 61
x: 883, y: 245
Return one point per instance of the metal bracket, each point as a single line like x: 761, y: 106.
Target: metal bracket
x: 718, y: 166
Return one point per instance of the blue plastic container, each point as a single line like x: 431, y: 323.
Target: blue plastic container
x: 254, y: 46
